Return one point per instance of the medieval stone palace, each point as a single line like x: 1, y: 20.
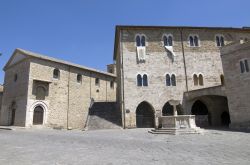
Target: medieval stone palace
x: 205, y: 68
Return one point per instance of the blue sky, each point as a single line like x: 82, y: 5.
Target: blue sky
x: 82, y: 31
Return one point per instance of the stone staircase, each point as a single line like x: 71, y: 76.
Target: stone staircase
x: 104, y: 115
x: 177, y: 131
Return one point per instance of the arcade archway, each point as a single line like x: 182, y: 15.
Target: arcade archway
x: 145, y: 117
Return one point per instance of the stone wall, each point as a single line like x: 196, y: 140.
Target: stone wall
x: 237, y: 83
x: 1, y: 96
x: 15, y: 92
x: 68, y: 101
x: 204, y: 59
x: 1, y: 88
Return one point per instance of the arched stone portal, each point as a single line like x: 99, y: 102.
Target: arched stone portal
x: 38, y: 115
x: 145, y: 117
x: 211, y: 111
x: 199, y: 108
x: 202, y: 115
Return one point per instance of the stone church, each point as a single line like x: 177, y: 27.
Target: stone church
x: 40, y: 90
x: 152, y: 65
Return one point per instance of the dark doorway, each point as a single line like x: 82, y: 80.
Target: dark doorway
x: 38, y: 116
x: 225, y: 119
x: 144, y: 116
x: 199, y: 108
x: 13, y: 114
x: 202, y: 116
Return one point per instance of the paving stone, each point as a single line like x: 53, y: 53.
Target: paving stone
x: 125, y: 147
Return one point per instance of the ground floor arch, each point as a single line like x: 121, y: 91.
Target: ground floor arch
x: 12, y: 116
x: 211, y: 111
x: 12, y: 113
x: 203, y: 116
x: 168, y: 110
x: 145, y: 116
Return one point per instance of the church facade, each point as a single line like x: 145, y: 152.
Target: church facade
x: 40, y: 90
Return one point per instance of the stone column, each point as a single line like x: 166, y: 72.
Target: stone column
x: 157, y: 115
x: 174, y: 103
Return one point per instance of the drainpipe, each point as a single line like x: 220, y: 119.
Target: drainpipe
x: 68, y: 100
x: 122, y: 82
x: 184, y: 60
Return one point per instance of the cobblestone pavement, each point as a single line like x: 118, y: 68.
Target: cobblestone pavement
x: 115, y: 147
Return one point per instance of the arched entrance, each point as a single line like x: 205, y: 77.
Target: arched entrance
x: 145, y: 116
x: 38, y: 115
x: 168, y: 110
x: 202, y: 115
x: 225, y: 119
x: 12, y: 113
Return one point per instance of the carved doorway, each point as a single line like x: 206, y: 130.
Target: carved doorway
x: 38, y: 116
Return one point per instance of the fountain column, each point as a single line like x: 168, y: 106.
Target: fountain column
x: 174, y: 103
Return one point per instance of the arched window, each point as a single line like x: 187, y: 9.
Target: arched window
x: 195, y: 79
x: 173, y: 80
x: 112, y: 84
x: 168, y: 81
x: 143, y: 41
x: 165, y: 40
x: 97, y: 81
x: 79, y: 78
x: 201, y: 80
x: 145, y: 80
x: 218, y: 40
x: 222, y: 41
x: 139, y: 80
x: 222, y: 79
x: 138, y: 41
x: 40, y: 93
x: 15, y: 77
x: 56, y: 74
x: 168, y: 40
x: 191, y: 41
x: 242, y: 67
x: 196, y: 41
x: 246, y: 65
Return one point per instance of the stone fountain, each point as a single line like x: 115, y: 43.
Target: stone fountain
x: 177, y: 124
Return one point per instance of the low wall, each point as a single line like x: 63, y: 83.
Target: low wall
x: 181, y: 121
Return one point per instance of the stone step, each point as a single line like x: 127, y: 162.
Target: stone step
x: 175, y: 131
